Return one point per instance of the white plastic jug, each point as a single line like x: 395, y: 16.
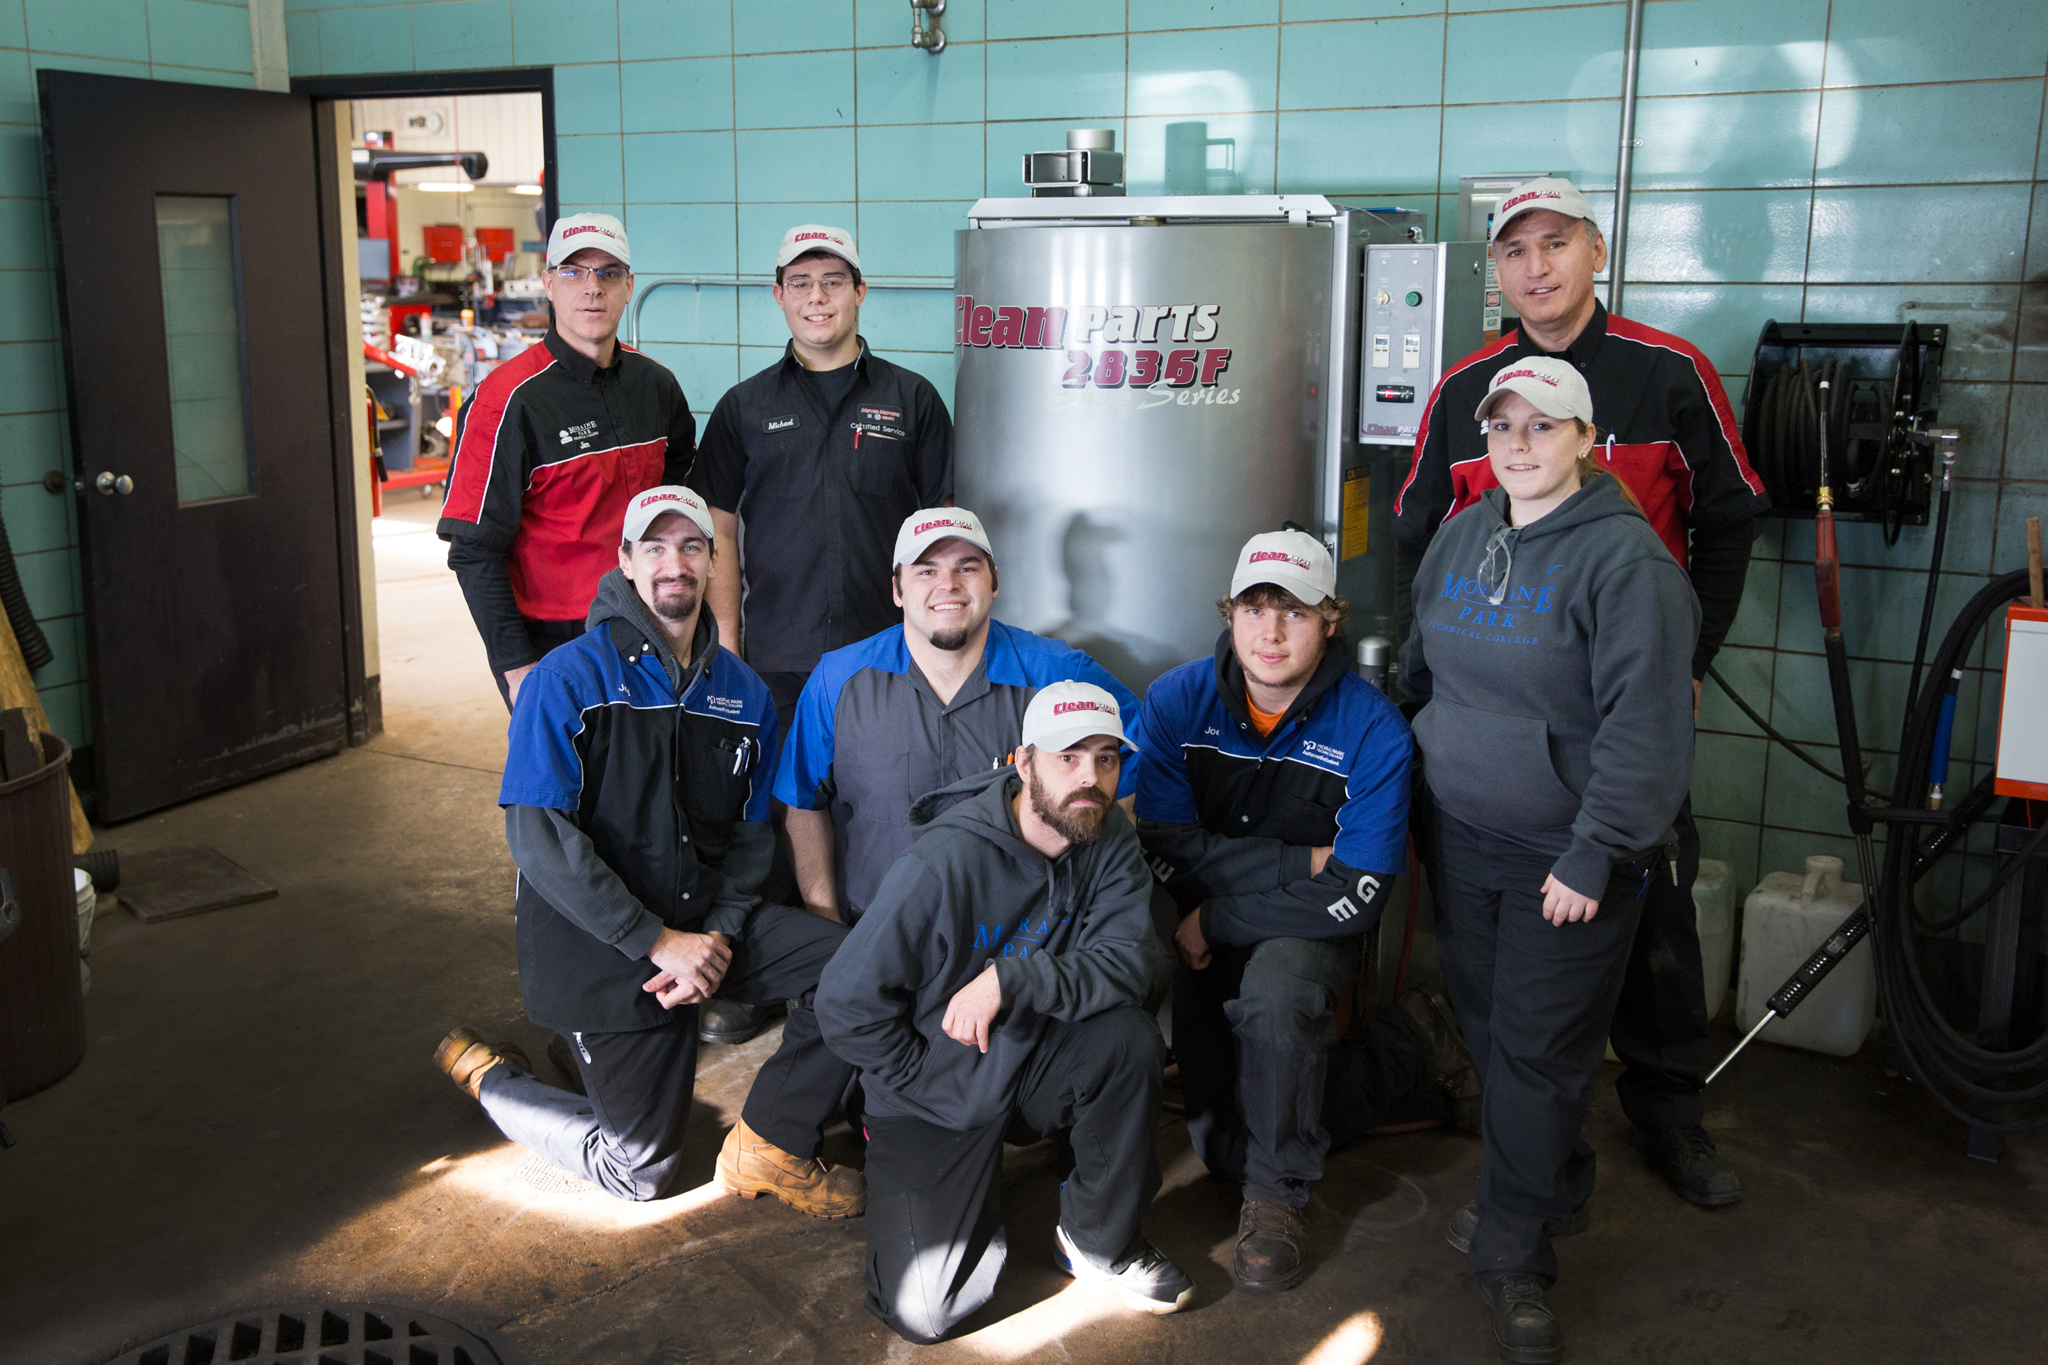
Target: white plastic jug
x: 1713, y: 901
x: 1783, y: 921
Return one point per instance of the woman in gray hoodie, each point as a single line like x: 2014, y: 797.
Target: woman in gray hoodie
x: 1552, y: 656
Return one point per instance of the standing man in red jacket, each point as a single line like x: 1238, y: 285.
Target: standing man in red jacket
x: 548, y: 451
x: 1673, y: 442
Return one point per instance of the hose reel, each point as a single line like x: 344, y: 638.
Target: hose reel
x: 1883, y: 385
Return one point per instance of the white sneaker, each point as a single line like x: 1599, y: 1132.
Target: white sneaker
x: 1149, y: 1283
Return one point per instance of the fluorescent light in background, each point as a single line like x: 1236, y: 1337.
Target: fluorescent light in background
x: 526, y: 189
x: 443, y: 187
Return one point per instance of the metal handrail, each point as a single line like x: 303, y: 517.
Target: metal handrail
x: 741, y: 281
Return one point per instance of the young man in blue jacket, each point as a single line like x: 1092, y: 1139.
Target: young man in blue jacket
x: 1273, y: 806
x: 996, y: 985
x: 914, y: 708
x: 636, y: 805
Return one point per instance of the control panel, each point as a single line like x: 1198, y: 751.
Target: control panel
x: 1424, y: 306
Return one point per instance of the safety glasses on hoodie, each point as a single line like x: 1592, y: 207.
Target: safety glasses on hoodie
x: 1500, y: 552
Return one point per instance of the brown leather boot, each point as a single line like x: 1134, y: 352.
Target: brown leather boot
x: 1270, y: 1241
x: 750, y: 1166
x: 1453, y: 1074
x: 464, y: 1057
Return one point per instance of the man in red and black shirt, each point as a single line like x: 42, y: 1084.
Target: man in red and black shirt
x: 548, y: 451
x: 1673, y: 440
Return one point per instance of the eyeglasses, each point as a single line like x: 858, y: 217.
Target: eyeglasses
x: 800, y: 285
x: 1494, y: 572
x: 603, y: 274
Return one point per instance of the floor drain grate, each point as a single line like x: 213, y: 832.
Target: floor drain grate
x: 330, y: 1334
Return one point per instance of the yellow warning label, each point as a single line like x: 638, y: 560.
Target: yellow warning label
x: 1357, y: 513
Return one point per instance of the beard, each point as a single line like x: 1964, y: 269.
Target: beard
x: 1078, y: 819
x: 676, y: 607
x: 950, y: 640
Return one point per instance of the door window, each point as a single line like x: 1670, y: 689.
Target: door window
x: 199, y: 260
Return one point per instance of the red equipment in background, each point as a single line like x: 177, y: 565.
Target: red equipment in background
x: 501, y: 242
x: 444, y: 242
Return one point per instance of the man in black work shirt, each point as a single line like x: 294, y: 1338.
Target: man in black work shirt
x: 821, y: 456
x: 1670, y: 436
x: 548, y: 451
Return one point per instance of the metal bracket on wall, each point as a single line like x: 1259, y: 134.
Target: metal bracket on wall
x: 924, y: 25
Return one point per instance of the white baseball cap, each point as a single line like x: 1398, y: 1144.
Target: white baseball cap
x: 1554, y: 386
x: 1065, y: 713
x: 580, y: 230
x: 923, y: 529
x: 1544, y: 192
x: 1292, y: 560
x: 805, y: 238
x: 664, y: 498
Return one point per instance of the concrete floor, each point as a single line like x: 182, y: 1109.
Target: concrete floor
x: 257, y: 1122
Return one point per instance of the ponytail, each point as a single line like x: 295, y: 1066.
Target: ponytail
x: 1590, y: 464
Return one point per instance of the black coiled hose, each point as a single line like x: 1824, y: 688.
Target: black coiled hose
x: 1952, y: 1066
x: 35, y: 646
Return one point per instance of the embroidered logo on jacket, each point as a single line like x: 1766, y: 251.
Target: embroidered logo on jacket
x: 579, y: 433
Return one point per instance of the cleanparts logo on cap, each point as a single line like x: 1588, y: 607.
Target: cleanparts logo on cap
x: 924, y: 526
x: 1521, y: 199
x: 1061, y: 708
x: 1506, y: 375
x: 649, y: 499
x: 567, y: 233
x: 814, y: 237
x: 1262, y: 556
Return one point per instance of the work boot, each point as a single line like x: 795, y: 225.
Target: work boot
x: 1690, y: 1164
x: 1465, y: 1222
x: 727, y: 1021
x: 1148, y: 1282
x: 1452, y: 1073
x: 464, y: 1057
x: 750, y: 1166
x: 1270, y: 1240
x: 1524, y: 1328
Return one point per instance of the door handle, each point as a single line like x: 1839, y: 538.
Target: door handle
x: 110, y: 484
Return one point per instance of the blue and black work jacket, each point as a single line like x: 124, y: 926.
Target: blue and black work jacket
x: 1229, y: 819
x: 636, y: 796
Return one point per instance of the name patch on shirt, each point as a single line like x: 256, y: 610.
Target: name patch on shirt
x: 774, y: 424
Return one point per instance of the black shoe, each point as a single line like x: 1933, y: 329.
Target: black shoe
x: 723, y: 1021
x: 562, y: 1054
x: 1465, y: 1222
x: 1270, y: 1240
x: 1523, y: 1326
x: 1690, y: 1164
x: 1452, y: 1074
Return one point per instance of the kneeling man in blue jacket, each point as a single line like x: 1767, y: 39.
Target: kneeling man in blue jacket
x: 636, y: 806
x: 995, y: 985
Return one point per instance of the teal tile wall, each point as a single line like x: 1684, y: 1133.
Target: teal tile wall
x: 1819, y: 159
x: 175, y: 40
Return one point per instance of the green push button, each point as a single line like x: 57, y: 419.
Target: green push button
x: 1414, y: 298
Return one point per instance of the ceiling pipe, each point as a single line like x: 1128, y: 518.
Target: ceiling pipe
x: 1617, y: 252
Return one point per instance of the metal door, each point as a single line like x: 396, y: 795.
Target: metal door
x: 193, y: 295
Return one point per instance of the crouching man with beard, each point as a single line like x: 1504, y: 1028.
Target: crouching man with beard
x: 636, y: 805
x: 994, y: 987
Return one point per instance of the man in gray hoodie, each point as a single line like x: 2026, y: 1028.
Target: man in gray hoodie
x: 994, y: 986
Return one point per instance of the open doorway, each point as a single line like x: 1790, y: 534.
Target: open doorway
x: 453, y: 179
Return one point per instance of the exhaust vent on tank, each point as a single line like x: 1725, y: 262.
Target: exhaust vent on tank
x: 1089, y: 166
